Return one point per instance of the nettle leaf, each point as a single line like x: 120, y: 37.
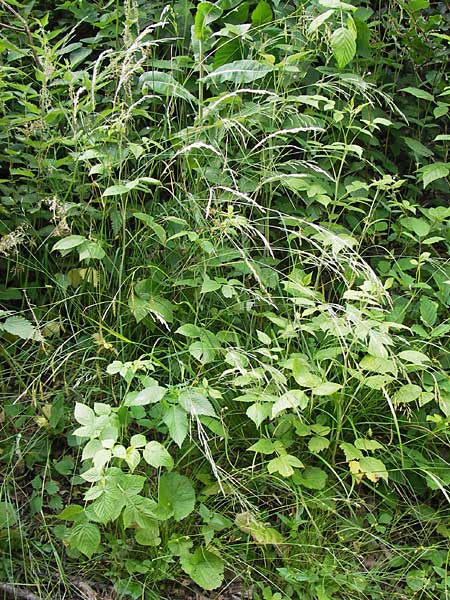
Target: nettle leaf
x: 157, y: 456
x: 343, y: 44
x: 176, y: 495
x: 428, y: 311
x: 195, y: 403
x: 238, y: 72
x: 205, y: 568
x: 407, y: 393
x: 430, y: 173
x: 262, y: 14
x: 176, y: 420
x: 21, y: 328
x: 284, y: 465
x: 85, y: 537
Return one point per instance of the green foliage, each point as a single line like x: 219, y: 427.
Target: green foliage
x: 224, y: 240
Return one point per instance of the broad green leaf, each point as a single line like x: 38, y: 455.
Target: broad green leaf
x: 138, y: 440
x: 377, y: 364
x: 69, y: 242
x: 259, y: 531
x: 407, y: 393
x: 22, y: 328
x: 326, y: 389
x: 418, y: 93
x: 189, y: 330
x: 205, y: 568
x: 177, y: 495
x: 149, y: 395
x: 350, y: 451
x: 434, y: 171
x: 166, y: 85
x: 373, y: 468
x: 263, y: 446
x: 132, y: 458
x: 157, y: 456
x: 148, y: 536
x: 368, y: 445
x: 70, y: 513
x: 108, y: 506
x: 239, y: 72
x: 262, y: 14
x: 138, y: 512
x: 318, y: 21
x: 84, y: 414
x: 115, y: 190
x: 337, y: 4
x: 318, y: 443
x: 343, y: 44
x: 206, y: 13
x: 417, y: 147
x: 414, y: 357
x: 290, y: 400
x: 157, y: 229
x: 284, y: 465
x: 176, y: 420
x: 85, y: 537
x: 311, y: 478
x: 419, y: 226
x: 428, y: 311
x: 8, y: 515
x: 90, y: 250
x: 196, y: 403
x: 259, y: 412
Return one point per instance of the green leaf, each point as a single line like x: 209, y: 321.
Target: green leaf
x: 206, y: 13
x: 418, y: 93
x: 85, y: 537
x: 196, y: 403
x: 407, y: 393
x: 263, y: 446
x: 373, y: 468
x: 350, y: 451
x: 69, y: 242
x: 115, y: 190
x: 290, y: 400
x: 259, y: 412
x: 84, y: 414
x: 419, y: 226
x: 189, y: 330
x: 21, y: 328
x: 71, y: 512
x: 8, y: 515
x: 138, y: 511
x: 284, y: 465
x: 157, y: 456
x: 176, y: 495
x: 149, y: 395
x: 433, y: 172
x: 318, y: 443
x: 108, y: 506
x: 311, y: 478
x: 176, y: 420
x: 414, y: 357
x: 378, y: 364
x: 262, y: 14
x: 239, y: 72
x: 156, y: 228
x: 318, y: 21
x: 326, y: 389
x: 367, y: 445
x: 166, y: 85
x: 428, y: 311
x: 205, y: 568
x: 343, y: 44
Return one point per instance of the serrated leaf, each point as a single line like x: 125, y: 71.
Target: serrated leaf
x: 85, y: 537
x: 176, y: 495
x: 157, y: 456
x: 108, y: 506
x: 312, y: 478
x: 176, y: 420
x: 149, y: 395
x: 238, y: 72
x: 350, y: 451
x: 343, y: 44
x: 196, y: 403
x: 318, y: 443
x: 433, y: 172
x: 205, y: 568
x: 284, y: 465
x: 22, y: 328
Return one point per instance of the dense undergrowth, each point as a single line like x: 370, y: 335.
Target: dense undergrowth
x: 225, y: 292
